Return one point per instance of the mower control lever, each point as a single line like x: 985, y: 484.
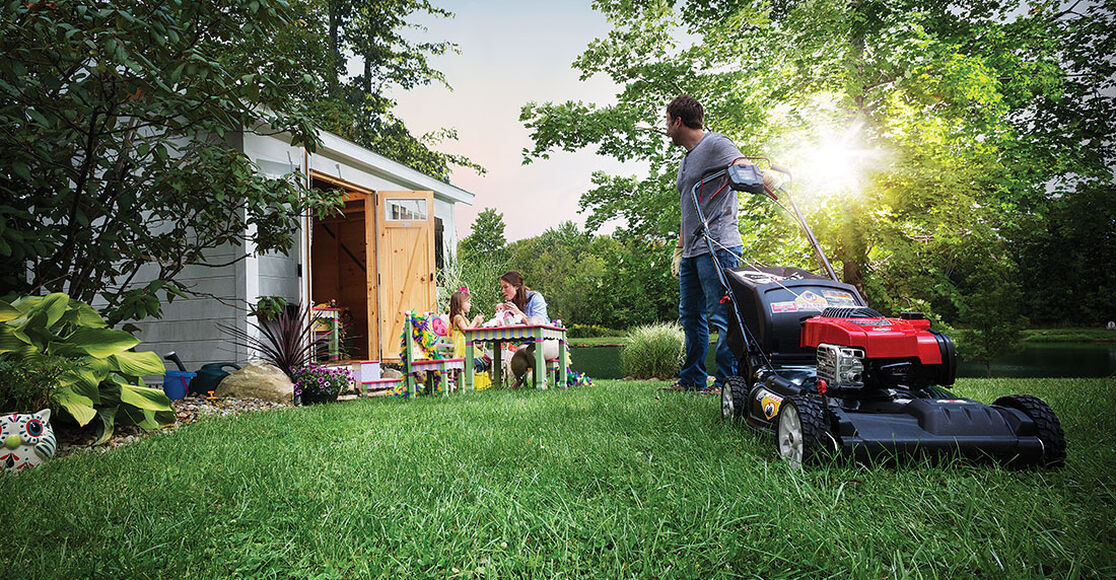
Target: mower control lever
x: 746, y: 178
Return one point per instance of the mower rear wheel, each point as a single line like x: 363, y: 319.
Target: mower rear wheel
x: 1049, y: 429
x: 733, y: 393
x: 801, y: 432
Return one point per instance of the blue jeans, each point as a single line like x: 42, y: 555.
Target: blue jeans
x: 699, y: 311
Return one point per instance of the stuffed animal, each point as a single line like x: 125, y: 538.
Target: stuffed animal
x: 504, y: 318
x: 28, y: 440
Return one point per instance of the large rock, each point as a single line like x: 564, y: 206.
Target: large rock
x: 258, y: 380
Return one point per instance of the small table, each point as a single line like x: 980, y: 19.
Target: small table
x: 498, y: 335
x: 330, y: 317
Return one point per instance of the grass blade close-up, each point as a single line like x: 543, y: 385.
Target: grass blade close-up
x: 615, y: 480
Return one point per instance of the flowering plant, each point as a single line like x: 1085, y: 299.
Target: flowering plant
x: 318, y: 383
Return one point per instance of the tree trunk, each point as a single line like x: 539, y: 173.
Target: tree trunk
x: 334, y: 43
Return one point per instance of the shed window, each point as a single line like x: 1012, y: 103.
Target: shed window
x: 406, y: 209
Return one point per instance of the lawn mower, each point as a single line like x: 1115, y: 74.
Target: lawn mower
x: 829, y: 376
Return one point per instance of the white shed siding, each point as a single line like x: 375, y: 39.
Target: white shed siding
x: 190, y: 326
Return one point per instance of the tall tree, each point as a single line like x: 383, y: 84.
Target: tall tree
x: 487, y: 237
x: 371, y: 35
x: 119, y: 124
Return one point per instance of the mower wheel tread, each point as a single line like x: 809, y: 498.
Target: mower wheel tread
x: 1046, y: 423
x: 736, y: 391
x: 816, y: 440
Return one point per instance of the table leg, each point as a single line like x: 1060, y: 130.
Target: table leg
x: 540, y: 364
x: 444, y: 378
x: 562, y: 347
x: 468, y: 366
x: 497, y: 364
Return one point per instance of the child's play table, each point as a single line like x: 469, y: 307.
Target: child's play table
x: 497, y: 335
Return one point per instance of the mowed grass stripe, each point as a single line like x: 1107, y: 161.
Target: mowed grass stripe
x: 616, y: 480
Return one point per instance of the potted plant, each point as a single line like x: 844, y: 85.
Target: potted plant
x: 320, y: 384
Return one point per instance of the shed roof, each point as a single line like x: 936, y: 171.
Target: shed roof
x: 369, y: 161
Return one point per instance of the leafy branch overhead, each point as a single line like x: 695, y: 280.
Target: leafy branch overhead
x: 925, y: 140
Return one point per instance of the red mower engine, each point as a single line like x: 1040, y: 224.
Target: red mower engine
x: 858, y: 349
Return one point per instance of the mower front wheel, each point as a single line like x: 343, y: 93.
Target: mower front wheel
x: 733, y: 393
x: 1047, y: 427
x: 801, y: 432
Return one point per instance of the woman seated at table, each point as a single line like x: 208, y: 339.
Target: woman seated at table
x: 530, y: 305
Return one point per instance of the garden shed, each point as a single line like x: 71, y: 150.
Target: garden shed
x: 374, y: 260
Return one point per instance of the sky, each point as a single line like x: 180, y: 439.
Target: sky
x: 511, y: 52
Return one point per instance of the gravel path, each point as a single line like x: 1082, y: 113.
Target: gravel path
x: 187, y: 411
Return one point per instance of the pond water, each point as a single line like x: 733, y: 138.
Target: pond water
x: 1035, y: 360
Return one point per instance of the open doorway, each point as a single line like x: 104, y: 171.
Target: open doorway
x: 339, y: 272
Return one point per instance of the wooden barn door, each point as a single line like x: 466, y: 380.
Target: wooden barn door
x: 406, y: 259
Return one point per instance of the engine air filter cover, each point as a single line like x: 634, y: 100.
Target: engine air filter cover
x: 878, y: 337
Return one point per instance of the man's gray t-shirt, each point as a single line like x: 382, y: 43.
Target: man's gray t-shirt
x: 714, y: 151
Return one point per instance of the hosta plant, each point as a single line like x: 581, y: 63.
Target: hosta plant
x: 103, y: 380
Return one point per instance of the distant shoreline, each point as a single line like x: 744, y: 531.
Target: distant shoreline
x: 1030, y: 336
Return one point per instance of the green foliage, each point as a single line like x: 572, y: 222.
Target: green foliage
x: 370, y: 33
x: 920, y: 135
x: 604, y: 280
x: 102, y: 377
x: 480, y: 274
x: 27, y: 384
x: 1056, y: 335
x: 288, y: 342
x: 654, y: 350
x: 486, y: 242
x: 591, y: 331
x: 268, y: 308
x: 120, y: 149
x: 990, y: 313
x: 125, y: 122
x: 1066, y: 260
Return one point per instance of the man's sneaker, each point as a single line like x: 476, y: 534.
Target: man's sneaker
x: 676, y: 387
x: 710, y: 390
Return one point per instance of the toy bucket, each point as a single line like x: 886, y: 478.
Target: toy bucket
x: 175, y: 383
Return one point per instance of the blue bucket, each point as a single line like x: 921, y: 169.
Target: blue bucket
x: 175, y: 383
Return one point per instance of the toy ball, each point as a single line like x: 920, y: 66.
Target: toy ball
x: 28, y: 440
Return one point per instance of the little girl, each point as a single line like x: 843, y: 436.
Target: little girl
x: 460, y: 305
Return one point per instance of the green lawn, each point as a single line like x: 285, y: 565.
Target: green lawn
x: 609, y: 481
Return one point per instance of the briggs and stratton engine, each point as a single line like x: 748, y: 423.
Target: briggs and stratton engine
x: 841, y: 367
x: 859, y: 349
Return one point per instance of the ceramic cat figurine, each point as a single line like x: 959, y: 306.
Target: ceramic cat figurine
x: 27, y: 440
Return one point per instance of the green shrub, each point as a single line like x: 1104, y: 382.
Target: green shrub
x: 480, y: 274
x: 26, y: 385
x: 654, y: 350
x: 101, y: 377
x: 591, y: 331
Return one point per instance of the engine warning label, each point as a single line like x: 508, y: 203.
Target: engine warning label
x: 839, y: 298
x: 777, y: 307
x: 810, y: 300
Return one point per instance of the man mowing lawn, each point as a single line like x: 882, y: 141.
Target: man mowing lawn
x: 700, y: 293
